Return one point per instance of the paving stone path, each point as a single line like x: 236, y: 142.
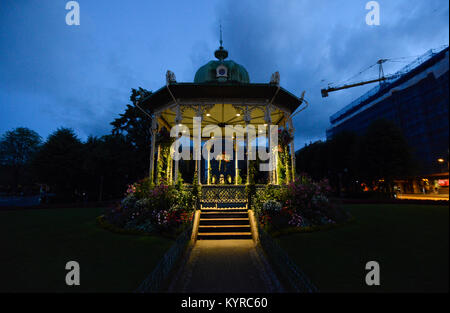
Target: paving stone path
x: 215, y: 266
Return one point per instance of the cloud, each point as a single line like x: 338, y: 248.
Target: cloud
x: 313, y: 43
x: 80, y: 77
x: 80, y: 81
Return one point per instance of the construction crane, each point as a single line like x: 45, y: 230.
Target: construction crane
x: 381, y: 78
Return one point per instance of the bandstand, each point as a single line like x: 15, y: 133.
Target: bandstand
x: 222, y: 95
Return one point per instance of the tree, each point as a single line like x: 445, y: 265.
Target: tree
x: 135, y: 125
x: 375, y: 158
x: 109, y: 165
x: 59, y: 163
x: 314, y: 159
x: 342, y: 161
x: 384, y: 154
x: 17, y: 147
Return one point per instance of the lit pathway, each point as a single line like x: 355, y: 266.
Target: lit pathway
x: 419, y: 196
x: 225, y: 266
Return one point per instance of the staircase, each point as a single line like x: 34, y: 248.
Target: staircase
x: 224, y: 223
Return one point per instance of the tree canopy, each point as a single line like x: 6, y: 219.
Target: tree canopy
x: 17, y: 147
x: 134, y: 124
x: 59, y: 161
x: 374, y: 158
x: 384, y: 153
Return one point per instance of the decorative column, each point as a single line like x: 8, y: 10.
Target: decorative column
x: 196, y: 167
x: 178, y: 120
x: 248, y: 160
x: 169, y: 166
x: 236, y: 161
x: 275, y: 170
x: 292, y: 131
x: 158, y: 160
x: 247, y: 119
x: 209, y: 166
x: 152, y: 149
x: 199, y: 114
x: 246, y: 111
x: 268, y: 120
x: 176, y: 170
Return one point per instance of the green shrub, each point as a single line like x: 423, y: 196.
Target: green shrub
x: 149, y: 208
x: 303, y: 204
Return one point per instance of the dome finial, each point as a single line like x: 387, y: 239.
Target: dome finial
x: 221, y: 53
x: 221, y: 34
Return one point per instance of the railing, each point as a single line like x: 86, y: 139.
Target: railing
x: 298, y: 281
x: 226, y: 193
x: 155, y: 281
x: 223, y: 194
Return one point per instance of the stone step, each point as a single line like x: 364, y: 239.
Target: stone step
x: 223, y: 228
x: 232, y: 210
x: 206, y: 215
x: 224, y: 221
x: 224, y: 206
x: 222, y: 236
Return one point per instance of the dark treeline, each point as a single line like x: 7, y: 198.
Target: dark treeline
x: 98, y: 169
x: 356, y: 162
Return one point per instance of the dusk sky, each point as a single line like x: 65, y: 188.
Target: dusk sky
x: 54, y: 75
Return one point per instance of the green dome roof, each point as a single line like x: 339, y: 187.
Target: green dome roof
x: 222, y: 71
x: 208, y: 73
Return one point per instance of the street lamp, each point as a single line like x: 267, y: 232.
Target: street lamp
x: 441, y: 161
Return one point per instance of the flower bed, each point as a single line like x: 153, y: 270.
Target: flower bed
x: 150, y: 209
x: 303, y: 205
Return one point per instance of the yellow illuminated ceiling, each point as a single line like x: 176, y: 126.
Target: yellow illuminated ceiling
x: 221, y: 114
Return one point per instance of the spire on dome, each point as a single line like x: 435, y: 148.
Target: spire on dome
x: 221, y: 53
x: 221, y: 35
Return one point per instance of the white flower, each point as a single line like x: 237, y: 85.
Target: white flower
x: 272, y: 206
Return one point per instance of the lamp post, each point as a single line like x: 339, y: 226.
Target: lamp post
x: 441, y: 161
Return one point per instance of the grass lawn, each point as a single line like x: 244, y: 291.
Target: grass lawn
x: 410, y: 242
x: 36, y: 244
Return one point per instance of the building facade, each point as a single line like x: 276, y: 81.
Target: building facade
x: 417, y: 100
